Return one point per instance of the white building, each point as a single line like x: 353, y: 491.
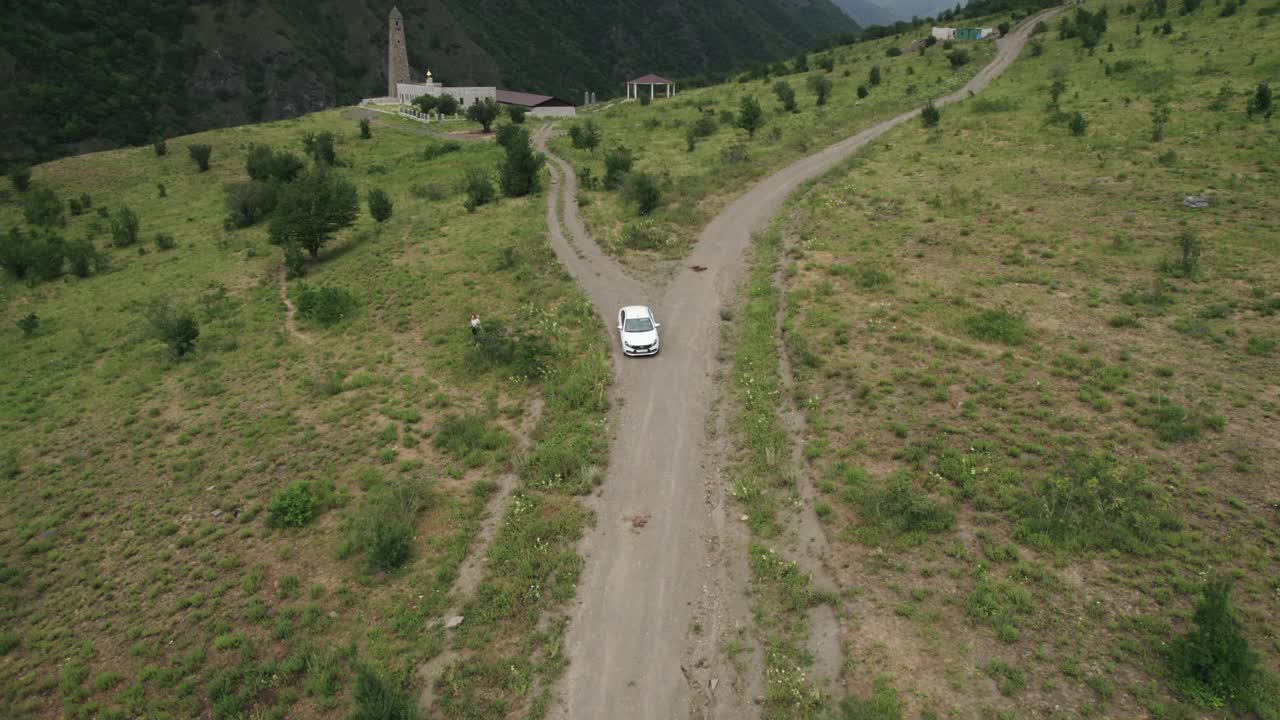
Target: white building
x: 944, y: 33
x: 466, y: 96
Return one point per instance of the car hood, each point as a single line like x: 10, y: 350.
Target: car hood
x: 640, y: 338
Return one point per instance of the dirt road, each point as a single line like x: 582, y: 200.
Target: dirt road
x: 633, y: 651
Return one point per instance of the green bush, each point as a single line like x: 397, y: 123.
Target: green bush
x: 873, y: 76
x: 266, y: 164
x: 20, y: 176
x: 440, y: 149
x: 1078, y: 124
x: 470, y: 439
x: 521, y: 169
x: 958, y: 58
x: 319, y: 148
x: 585, y: 135
x: 380, y: 206
x: 292, y: 507
x: 1261, y: 103
x: 165, y: 241
x: 519, y: 352
x: 1000, y: 326
x: 365, y: 132
x: 28, y: 324
x: 32, y: 256
x: 750, y: 115
x: 617, y: 164
x: 1174, y: 423
x: 249, y: 203
x: 862, y: 92
x: 786, y: 95
x: 160, y: 147
x: 324, y: 306
x: 478, y: 188
x: 930, y: 115
x: 1212, y: 663
x: 517, y: 114
x: 484, y: 112
x: 200, y: 154
x: 125, y: 227
x: 820, y: 86
x: 43, y: 208
x: 176, y: 328
x: 383, y: 526
x: 312, y: 209
x: 641, y: 192
x: 376, y: 700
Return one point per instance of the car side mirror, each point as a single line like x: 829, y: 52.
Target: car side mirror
x: 619, y: 327
x: 657, y: 325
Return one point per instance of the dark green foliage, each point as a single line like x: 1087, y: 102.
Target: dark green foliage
x: 200, y: 153
x: 1189, y: 6
x: 893, y: 52
x: 999, y: 326
x: 517, y: 114
x: 176, y: 328
x: 896, y: 505
x: 380, y: 206
x: 930, y: 115
x: 83, y: 259
x: 873, y: 76
x: 440, y: 149
x: 641, y: 192
x: 1078, y: 124
x: 324, y: 306
x: 388, y: 544
x: 484, y: 112
x: 319, y: 148
x: 617, y: 163
x: 1212, y: 663
x: 43, y: 208
x: 28, y: 324
x: 478, y: 187
x: 1229, y: 8
x: 165, y: 241
x: 377, y: 700
x: 265, y: 164
x: 1037, y: 48
x: 161, y: 191
x: 366, y: 132
x: 517, y: 351
x: 820, y: 86
x: 801, y: 63
x: 509, y: 135
x: 1003, y: 28
x: 292, y: 507
x: 1174, y: 423
x: 645, y: 100
x: 1089, y: 27
x: 585, y: 135
x: 1166, y: 28
x: 1187, y: 262
x: 1056, y: 89
x: 882, y: 705
x: 383, y: 526
x: 447, y: 104
x: 786, y: 95
x: 425, y: 103
x: 470, y: 439
x: 20, y: 176
x: 295, y: 261
x: 1159, y: 118
x: 958, y: 58
x: 826, y: 63
x: 160, y: 147
x: 521, y: 170
x: 862, y: 92
x: 750, y: 115
x: 312, y: 209
x: 1260, y: 103
x: 249, y: 203
x: 125, y: 227
x: 32, y: 256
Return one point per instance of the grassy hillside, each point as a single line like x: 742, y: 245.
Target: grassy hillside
x: 1035, y: 433
x: 695, y: 184
x: 148, y: 563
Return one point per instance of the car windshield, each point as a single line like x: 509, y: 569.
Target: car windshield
x: 643, y: 324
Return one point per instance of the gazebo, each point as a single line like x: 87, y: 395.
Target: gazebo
x: 633, y: 86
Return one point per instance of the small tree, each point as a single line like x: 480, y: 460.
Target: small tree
x: 160, y: 147
x: 365, y: 131
x: 1056, y: 89
x: 478, y: 188
x: 320, y: 148
x: 827, y: 63
x: 268, y: 165
x: 517, y: 114
x: 786, y: 95
x: 379, y: 205
x: 425, y: 103
x: 177, y: 329
x: 447, y: 104
x: 931, y: 114
x: 958, y: 58
x: 820, y: 86
x: 585, y: 136
x: 522, y: 168
x: 312, y: 209
x: 873, y: 77
x: 1189, y: 250
x: 617, y: 163
x: 20, y: 176
x: 641, y: 192
x: 200, y: 153
x: 42, y: 207
x: 1260, y: 103
x: 1213, y: 662
x: 802, y: 63
x: 125, y: 227
x: 83, y: 258
x: 1159, y: 118
x: 862, y: 91
x: 484, y: 112
x: 1078, y: 124
x: 750, y: 115
x: 28, y: 324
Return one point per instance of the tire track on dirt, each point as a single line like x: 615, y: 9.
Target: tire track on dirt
x: 632, y: 647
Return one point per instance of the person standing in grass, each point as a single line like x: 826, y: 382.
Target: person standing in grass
x: 475, y: 325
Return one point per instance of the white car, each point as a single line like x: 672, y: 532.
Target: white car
x: 638, y: 330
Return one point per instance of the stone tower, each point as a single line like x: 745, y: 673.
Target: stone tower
x: 397, y: 54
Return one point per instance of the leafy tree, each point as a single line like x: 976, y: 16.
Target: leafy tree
x: 28, y: 324
x: 1213, y: 662
x: 31, y: 256
x: 1189, y: 251
x: 820, y: 86
x: 380, y: 205
x: 484, y: 112
x: 249, y: 203
x: 1078, y: 124
x: 312, y: 209
x: 873, y: 77
x: 425, y: 103
x: 827, y: 63
x: 320, y: 148
x: 862, y: 91
x: 42, y: 207
x: 1058, y: 87
x: 517, y: 114
x: 750, y: 115
x: 1159, y: 118
x: 478, y: 188
x: 447, y: 104
x: 802, y: 63
x: 958, y: 58
x: 165, y: 241
x: 617, y: 163
x: 200, y: 152
x: 176, y: 328
x: 1260, y: 103
x: 125, y: 227
x: 265, y: 164
x: 20, y: 176
x: 365, y: 132
x: 931, y: 114
x: 641, y: 192
x: 83, y: 258
x: 786, y: 95
x: 522, y: 167
x: 893, y: 52
x: 510, y: 134
x: 160, y: 147
x: 585, y: 136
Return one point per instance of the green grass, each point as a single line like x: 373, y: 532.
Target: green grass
x: 148, y: 547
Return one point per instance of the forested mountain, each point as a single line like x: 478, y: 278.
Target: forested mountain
x: 88, y: 74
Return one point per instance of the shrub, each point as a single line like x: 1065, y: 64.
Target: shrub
x: 1259, y: 345
x: 820, y: 86
x: 161, y: 191
x: 930, y: 115
x: 28, y: 324
x: 165, y: 241
x: 734, y: 154
x: 266, y: 164
x: 1078, y: 124
x: 248, y: 203
x: 382, y: 528
x: 447, y: 104
x: 521, y: 169
x: 873, y: 76
x: 478, y: 188
x: 20, y: 176
x: 125, y: 227
x: 320, y: 148
x: 440, y: 149
x: 31, y: 256
x: 200, y: 153
x: 826, y: 63
x: 786, y: 95
x: 1037, y: 48
x: 585, y: 136
x: 176, y: 328
x: 1174, y: 423
x: 324, y: 306
x: 958, y: 58
x: 83, y: 258
x: 292, y: 507
x: 1212, y: 663
x: 641, y: 192
x: 484, y: 112
x: 899, y: 506
x: 470, y: 439
x: 750, y: 115
x: 376, y: 700
x: 1187, y: 264
x: 160, y: 147
x: 43, y: 208
x: 312, y: 209
x: 1000, y: 326
x: 862, y: 92
x: 893, y: 52
x: 428, y: 191
x: 517, y: 114
x: 388, y: 544
x: 365, y: 131
x: 645, y: 100
x: 1260, y: 103
x: 380, y: 205
x: 617, y: 163
x: 644, y: 235
x: 519, y: 352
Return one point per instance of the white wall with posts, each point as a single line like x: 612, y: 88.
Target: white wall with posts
x: 634, y: 88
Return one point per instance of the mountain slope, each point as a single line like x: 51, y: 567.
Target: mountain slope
x: 865, y: 12
x: 79, y: 75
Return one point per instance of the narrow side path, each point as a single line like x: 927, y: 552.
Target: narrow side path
x: 656, y: 598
